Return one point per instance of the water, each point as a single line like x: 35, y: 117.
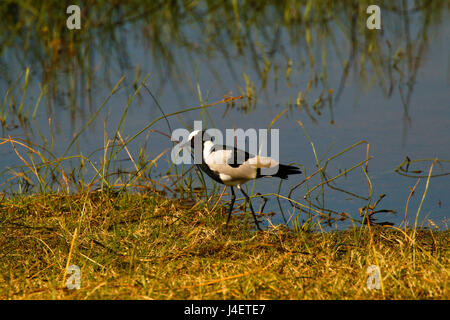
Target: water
x: 364, y: 109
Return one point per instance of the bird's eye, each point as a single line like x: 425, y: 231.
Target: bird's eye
x: 212, y: 139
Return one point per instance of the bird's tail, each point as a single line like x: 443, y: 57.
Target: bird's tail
x: 284, y: 171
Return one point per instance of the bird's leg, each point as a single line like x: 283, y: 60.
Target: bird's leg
x: 251, y: 208
x: 233, y: 198
x: 263, y: 203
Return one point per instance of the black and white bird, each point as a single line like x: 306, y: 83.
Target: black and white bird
x: 233, y: 167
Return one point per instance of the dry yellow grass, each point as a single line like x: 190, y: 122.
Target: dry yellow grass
x: 137, y: 246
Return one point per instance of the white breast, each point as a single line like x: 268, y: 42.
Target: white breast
x: 218, y: 161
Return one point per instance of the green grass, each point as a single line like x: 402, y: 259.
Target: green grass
x: 131, y: 244
x: 146, y: 246
x: 170, y: 242
x: 35, y: 37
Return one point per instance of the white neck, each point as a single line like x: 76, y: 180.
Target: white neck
x: 207, y: 148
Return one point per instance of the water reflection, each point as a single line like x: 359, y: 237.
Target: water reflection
x: 316, y: 58
x: 279, y: 41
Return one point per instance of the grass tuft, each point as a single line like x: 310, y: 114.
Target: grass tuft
x: 139, y: 246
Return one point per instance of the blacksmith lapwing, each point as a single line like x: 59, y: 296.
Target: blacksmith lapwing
x: 233, y: 167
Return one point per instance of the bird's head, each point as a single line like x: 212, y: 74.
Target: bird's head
x: 195, y: 135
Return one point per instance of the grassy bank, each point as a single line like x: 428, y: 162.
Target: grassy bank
x: 145, y: 246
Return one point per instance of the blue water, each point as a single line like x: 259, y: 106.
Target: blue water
x: 363, y: 112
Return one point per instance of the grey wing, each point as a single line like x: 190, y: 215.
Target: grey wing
x: 223, y: 162
x: 237, y: 157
